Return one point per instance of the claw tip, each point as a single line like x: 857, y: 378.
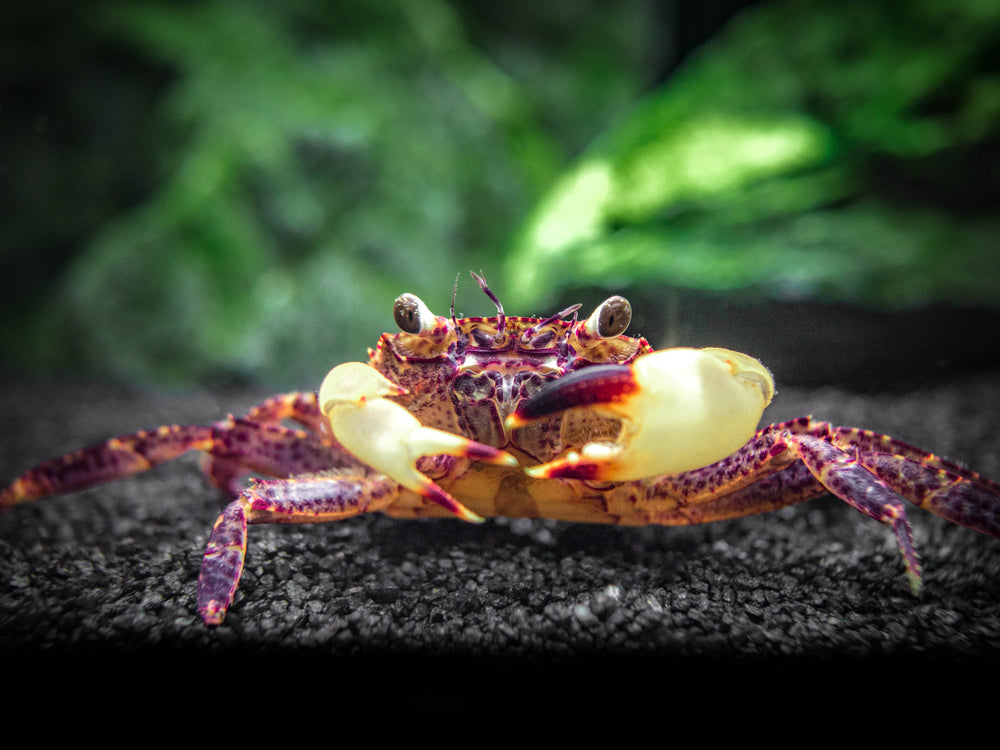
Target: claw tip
x: 537, y: 472
x: 515, y: 421
x: 506, y: 459
x: 572, y: 466
x: 467, y: 515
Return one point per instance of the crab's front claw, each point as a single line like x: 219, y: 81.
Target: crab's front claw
x: 388, y: 438
x: 681, y: 409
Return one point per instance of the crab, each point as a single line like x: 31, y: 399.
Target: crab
x: 526, y: 417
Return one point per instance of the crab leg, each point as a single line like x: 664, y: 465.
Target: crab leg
x: 227, y: 472
x: 782, y: 465
x: 318, y: 498
x: 290, y: 451
x: 759, y: 478
x: 779, y: 485
x: 388, y: 438
x: 241, y: 446
x: 234, y: 447
x: 298, y: 406
x: 119, y: 457
x: 844, y: 475
x: 930, y: 482
x: 769, y: 489
x: 794, y: 461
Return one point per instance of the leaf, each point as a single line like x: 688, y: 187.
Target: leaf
x: 778, y: 159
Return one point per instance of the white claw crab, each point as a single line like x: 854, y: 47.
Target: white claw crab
x: 532, y: 418
x: 681, y: 409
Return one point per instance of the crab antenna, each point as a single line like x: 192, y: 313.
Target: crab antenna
x: 454, y: 295
x: 501, y: 318
x: 558, y: 316
x: 567, y: 311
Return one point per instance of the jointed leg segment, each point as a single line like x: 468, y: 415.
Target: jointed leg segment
x: 330, y: 496
x: 794, y: 461
x: 234, y: 448
x: 781, y: 465
x: 938, y: 486
x: 114, y: 459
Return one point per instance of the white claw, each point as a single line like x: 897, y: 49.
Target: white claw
x: 692, y: 407
x: 387, y: 437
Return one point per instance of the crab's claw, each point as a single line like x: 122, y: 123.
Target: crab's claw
x: 681, y: 409
x: 388, y: 438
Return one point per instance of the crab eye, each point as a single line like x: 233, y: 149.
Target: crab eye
x: 407, y: 313
x: 411, y: 313
x: 610, y: 318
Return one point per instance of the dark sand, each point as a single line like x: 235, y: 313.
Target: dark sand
x: 105, y: 578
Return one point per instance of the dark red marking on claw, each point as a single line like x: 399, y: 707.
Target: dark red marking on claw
x: 582, y: 469
x: 600, y: 384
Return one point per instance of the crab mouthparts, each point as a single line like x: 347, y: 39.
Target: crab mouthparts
x: 509, y: 362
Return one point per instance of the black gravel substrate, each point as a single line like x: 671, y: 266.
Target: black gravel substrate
x: 105, y: 579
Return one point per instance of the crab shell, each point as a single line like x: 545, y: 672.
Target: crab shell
x: 438, y: 396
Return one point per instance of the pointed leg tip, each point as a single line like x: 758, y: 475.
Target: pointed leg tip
x: 459, y: 510
x: 212, y: 613
x: 430, y: 491
x: 543, y: 471
x: 16, y: 493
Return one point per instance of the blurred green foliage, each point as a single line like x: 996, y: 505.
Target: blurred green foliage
x: 312, y: 161
x: 829, y: 150
x: 293, y: 167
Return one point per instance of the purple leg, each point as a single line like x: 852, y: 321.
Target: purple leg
x: 760, y: 477
x: 783, y: 464
x: 771, y: 488
x: 330, y: 496
x: 114, y: 459
x: 846, y: 477
x: 298, y: 406
x: 222, y: 565
x: 941, y: 487
x: 234, y: 447
x: 275, y: 450
x: 242, y: 446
